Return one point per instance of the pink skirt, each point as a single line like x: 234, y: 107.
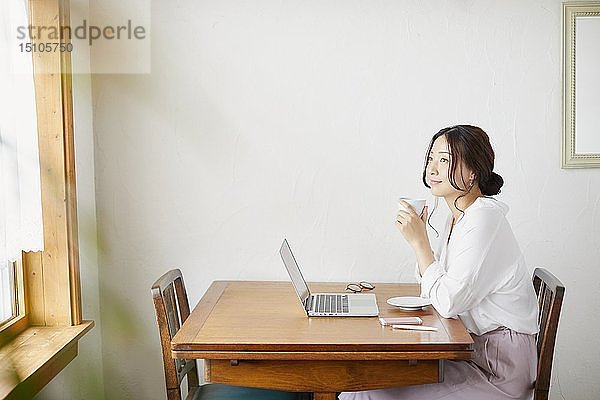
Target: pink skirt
x: 504, y: 366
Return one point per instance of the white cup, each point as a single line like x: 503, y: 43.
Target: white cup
x: 417, y: 204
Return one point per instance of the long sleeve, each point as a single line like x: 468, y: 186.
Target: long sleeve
x: 471, y: 273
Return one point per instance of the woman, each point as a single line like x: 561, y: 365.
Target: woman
x: 476, y: 273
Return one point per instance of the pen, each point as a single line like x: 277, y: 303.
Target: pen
x: 416, y: 327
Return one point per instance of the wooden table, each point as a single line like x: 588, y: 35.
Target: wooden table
x: 257, y: 334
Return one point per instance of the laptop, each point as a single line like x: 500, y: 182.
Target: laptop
x: 326, y: 304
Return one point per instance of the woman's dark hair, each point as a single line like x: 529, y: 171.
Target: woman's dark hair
x: 471, y: 145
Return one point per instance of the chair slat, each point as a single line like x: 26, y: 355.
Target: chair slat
x: 546, y: 297
x: 171, y: 310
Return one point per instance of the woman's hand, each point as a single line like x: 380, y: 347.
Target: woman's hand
x: 412, y: 226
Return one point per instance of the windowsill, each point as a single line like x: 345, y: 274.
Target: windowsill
x: 35, y: 356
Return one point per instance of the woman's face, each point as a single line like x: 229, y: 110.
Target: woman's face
x: 438, y: 169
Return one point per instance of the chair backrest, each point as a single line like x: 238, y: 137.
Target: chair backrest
x: 172, y: 309
x: 550, y: 292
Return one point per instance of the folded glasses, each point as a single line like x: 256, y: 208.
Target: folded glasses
x: 360, y: 286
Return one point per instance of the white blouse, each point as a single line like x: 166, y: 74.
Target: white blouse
x: 480, y: 274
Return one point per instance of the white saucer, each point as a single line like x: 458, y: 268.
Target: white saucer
x: 409, y: 303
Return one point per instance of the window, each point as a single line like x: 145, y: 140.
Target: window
x: 11, y: 291
x: 37, y: 164
x: 43, y: 340
x: 20, y: 190
x: 8, y: 292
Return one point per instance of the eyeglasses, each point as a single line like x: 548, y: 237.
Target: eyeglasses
x: 360, y: 286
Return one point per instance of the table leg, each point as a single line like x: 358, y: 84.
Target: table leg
x: 325, y: 396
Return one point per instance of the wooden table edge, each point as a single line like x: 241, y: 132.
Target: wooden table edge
x: 292, y: 348
x: 254, y: 355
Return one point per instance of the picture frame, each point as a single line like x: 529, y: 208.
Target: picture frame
x: 581, y: 85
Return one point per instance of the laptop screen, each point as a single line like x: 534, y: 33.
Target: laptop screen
x: 292, y: 267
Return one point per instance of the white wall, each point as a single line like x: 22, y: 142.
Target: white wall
x: 307, y: 119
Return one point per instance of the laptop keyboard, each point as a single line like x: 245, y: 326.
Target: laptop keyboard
x: 331, y: 303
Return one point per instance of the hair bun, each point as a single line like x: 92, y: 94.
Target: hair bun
x: 493, y: 185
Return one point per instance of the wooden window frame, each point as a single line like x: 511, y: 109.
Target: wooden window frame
x: 52, y: 276
x: 52, y: 290
x: 20, y: 300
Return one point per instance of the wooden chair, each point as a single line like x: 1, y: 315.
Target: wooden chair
x: 172, y: 309
x: 550, y: 292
